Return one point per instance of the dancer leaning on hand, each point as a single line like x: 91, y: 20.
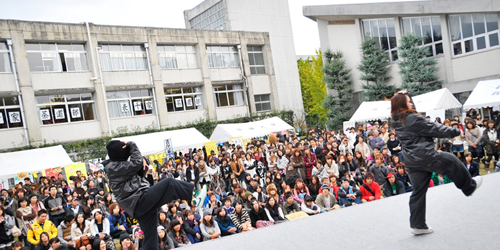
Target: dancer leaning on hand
x: 421, y: 158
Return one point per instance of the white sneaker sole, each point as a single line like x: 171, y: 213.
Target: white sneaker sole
x: 479, y: 181
x: 416, y: 231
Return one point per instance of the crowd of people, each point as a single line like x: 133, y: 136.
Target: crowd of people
x: 248, y: 187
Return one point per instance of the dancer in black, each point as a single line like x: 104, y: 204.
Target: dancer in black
x: 126, y: 169
x: 421, y: 158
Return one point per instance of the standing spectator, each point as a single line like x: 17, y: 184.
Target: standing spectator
x: 376, y: 141
x: 393, y: 186
x: 370, y: 190
x: 491, y: 136
x: 317, y: 150
x: 326, y: 200
x: 6, y: 223
x: 473, y: 137
x: 394, y: 145
x: 42, y: 224
x: 55, y: 203
x: 192, y: 173
x: 297, y: 165
x: 309, y: 161
x: 20, y: 193
x: 379, y: 169
x: 330, y: 166
x: 457, y: 142
x: 102, y: 181
x: 75, y: 207
x: 362, y: 147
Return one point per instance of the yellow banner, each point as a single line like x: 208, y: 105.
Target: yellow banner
x: 211, y: 145
x: 71, y: 170
x: 158, y: 157
x: 237, y: 141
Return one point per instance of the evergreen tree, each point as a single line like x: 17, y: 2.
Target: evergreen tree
x: 418, y: 72
x: 313, y: 88
x: 338, y: 79
x: 373, y: 68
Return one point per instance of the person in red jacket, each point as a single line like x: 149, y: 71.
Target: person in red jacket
x: 370, y: 190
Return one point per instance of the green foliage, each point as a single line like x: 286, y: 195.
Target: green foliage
x: 313, y: 88
x: 96, y: 148
x: 418, y: 72
x: 337, y: 78
x: 374, y: 69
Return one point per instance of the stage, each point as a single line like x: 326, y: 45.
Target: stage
x: 459, y: 222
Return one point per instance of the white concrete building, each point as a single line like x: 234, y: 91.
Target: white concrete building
x: 462, y: 36
x: 64, y: 82
x: 260, y: 16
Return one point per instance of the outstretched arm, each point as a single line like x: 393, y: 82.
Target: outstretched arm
x: 428, y: 128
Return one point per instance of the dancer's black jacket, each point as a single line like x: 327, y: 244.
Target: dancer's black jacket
x: 126, y: 178
x: 417, y: 135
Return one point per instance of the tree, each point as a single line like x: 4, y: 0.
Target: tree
x: 313, y: 88
x: 418, y: 72
x: 374, y: 68
x: 338, y: 79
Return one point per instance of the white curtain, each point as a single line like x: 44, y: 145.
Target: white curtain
x: 238, y: 96
x: 116, y: 108
x: 4, y: 62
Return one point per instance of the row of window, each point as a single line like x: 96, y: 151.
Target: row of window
x: 114, y: 57
x: 67, y: 108
x: 468, y: 33
x: 214, y: 18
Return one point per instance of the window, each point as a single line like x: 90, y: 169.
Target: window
x: 473, y: 32
x: 263, y: 103
x: 4, y: 59
x: 123, y: 57
x: 223, y: 57
x: 55, y: 57
x: 214, y: 18
x: 130, y: 103
x: 383, y: 31
x: 53, y: 109
x: 177, y: 57
x: 429, y: 28
x: 10, y: 113
x: 256, y: 58
x: 228, y: 95
x: 184, y: 98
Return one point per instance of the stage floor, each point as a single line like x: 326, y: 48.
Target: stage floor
x: 459, y: 222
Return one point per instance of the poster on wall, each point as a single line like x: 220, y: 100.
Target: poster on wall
x: 75, y: 113
x: 4, y: 184
x: 44, y: 114
x: 149, y: 105
x: 49, y: 172
x: 237, y: 141
x: 178, y: 103
x: 71, y: 170
x: 15, y: 117
x: 1, y: 118
x: 197, y: 101
x: 169, y: 148
x: 137, y: 106
x: 125, y: 107
x: 20, y: 177
x: 211, y: 145
x: 59, y: 114
x: 189, y: 102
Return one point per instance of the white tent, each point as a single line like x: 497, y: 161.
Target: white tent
x: 485, y: 94
x: 372, y: 111
x: 223, y: 132
x: 32, y: 160
x: 152, y: 143
x: 436, y: 100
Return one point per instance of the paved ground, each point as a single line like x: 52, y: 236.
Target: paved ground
x: 459, y: 222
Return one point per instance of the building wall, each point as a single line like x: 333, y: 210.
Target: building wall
x: 97, y: 81
x: 273, y: 17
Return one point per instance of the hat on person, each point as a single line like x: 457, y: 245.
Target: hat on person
x: 343, y: 179
x: 95, y: 211
x: 454, y: 123
x: 253, y: 179
x: 75, y: 199
x: 207, y: 211
x: 97, y: 243
x: 230, y: 193
x: 124, y: 236
x: 116, y: 152
x: 325, y: 186
x: 389, y: 175
x: 160, y: 228
x: 324, y: 177
x: 247, y: 194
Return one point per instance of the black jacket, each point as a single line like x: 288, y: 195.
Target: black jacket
x: 400, y: 188
x: 196, y: 175
x: 416, y: 135
x: 474, y: 168
x: 393, y: 144
x: 256, y: 216
x: 126, y: 179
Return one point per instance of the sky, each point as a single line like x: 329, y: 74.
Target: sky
x: 165, y: 13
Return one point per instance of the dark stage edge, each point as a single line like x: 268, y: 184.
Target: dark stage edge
x: 459, y: 222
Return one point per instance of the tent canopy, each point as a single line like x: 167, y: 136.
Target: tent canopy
x: 223, y: 132
x: 152, y: 143
x: 435, y: 100
x: 485, y: 94
x: 32, y: 160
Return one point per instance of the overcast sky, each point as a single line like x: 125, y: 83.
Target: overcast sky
x: 157, y: 13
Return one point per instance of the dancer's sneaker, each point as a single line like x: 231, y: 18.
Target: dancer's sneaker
x: 417, y: 231
x: 479, y: 181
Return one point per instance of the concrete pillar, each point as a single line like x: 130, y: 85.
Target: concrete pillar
x: 268, y: 59
x: 447, y: 49
x: 161, y: 104
x: 100, y: 92
x: 250, y: 100
x: 207, y: 90
x: 397, y: 28
x: 28, y: 95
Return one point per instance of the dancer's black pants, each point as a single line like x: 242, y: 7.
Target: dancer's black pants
x: 146, y: 210
x: 445, y: 164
